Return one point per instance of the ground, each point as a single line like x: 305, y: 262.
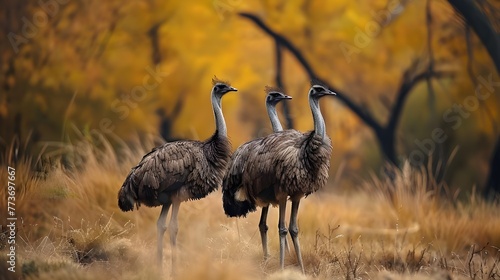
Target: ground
x: 69, y: 227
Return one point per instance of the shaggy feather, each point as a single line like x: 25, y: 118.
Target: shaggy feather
x: 193, y: 165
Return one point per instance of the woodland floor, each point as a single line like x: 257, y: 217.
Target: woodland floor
x: 69, y: 227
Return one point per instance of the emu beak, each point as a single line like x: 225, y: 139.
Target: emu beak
x: 329, y: 92
x: 286, y: 97
x: 232, y: 89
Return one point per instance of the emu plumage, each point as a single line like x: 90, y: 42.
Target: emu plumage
x: 179, y: 171
x: 284, y: 165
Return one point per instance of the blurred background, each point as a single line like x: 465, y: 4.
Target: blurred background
x: 417, y: 81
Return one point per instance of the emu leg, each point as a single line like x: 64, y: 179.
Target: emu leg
x: 287, y: 245
x: 263, y: 231
x: 282, y: 231
x: 161, y: 228
x: 294, y: 232
x: 173, y: 228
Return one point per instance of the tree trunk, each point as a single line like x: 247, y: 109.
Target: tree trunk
x: 481, y: 25
x: 493, y: 184
x: 280, y: 84
x: 483, y: 28
x: 385, y: 134
x: 387, y: 145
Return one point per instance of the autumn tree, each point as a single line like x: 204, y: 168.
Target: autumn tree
x: 102, y: 68
x: 143, y: 68
x: 477, y: 15
x: 385, y: 133
x: 434, y: 67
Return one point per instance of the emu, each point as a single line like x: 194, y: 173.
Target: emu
x: 284, y: 165
x: 274, y: 96
x: 179, y: 171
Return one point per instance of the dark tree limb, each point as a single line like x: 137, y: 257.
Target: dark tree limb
x: 281, y: 85
x: 385, y: 133
x: 493, y: 184
x: 411, y: 78
x: 470, y: 55
x: 430, y: 51
x: 366, y: 117
x: 167, y: 119
x: 155, y: 43
x: 478, y: 20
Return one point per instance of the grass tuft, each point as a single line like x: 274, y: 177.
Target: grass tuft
x: 70, y: 227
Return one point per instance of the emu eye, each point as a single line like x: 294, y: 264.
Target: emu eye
x: 318, y: 89
x: 219, y: 87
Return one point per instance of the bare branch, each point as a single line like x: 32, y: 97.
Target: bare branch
x: 430, y: 88
x: 476, y: 16
x: 411, y: 78
x: 385, y: 134
x: 470, y: 56
x: 280, y: 84
x: 155, y: 43
x: 385, y: 102
x: 279, y: 39
x: 481, y: 25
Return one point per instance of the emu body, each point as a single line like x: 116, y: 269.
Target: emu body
x: 274, y: 96
x: 179, y: 171
x: 284, y: 165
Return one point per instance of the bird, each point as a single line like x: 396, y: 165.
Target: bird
x: 273, y: 97
x: 179, y: 171
x: 283, y: 165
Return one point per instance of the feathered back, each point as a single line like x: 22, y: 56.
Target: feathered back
x: 217, y: 151
x: 292, y: 162
x: 233, y: 179
x: 283, y: 163
x: 197, y: 166
x: 316, y: 153
x: 181, y: 170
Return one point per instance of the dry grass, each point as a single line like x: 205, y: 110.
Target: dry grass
x: 70, y: 227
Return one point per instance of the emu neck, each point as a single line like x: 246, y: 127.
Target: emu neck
x: 220, y: 124
x: 319, y: 122
x: 273, y: 116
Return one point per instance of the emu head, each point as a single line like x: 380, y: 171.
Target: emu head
x: 275, y: 95
x: 221, y: 87
x: 317, y: 91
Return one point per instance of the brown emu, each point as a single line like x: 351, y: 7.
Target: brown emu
x: 284, y: 165
x: 274, y: 96
x: 179, y: 171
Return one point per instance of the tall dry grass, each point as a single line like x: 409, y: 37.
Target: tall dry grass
x: 70, y: 227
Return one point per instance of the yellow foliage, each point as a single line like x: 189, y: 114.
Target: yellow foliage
x: 105, y: 52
